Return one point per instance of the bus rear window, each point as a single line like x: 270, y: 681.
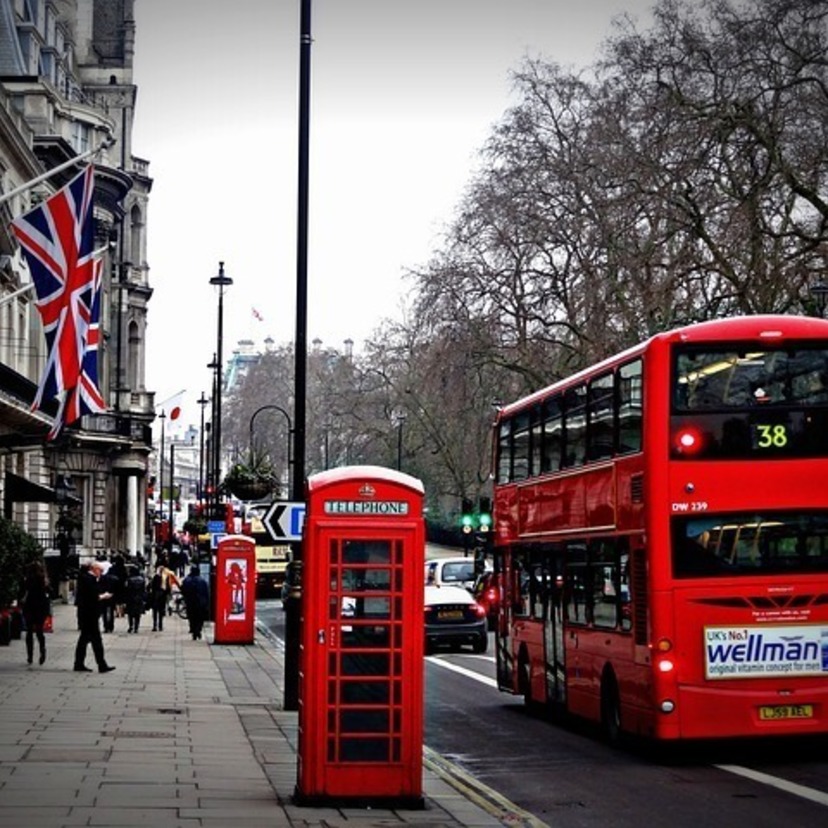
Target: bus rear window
x: 750, y: 544
x: 730, y: 403
x: 730, y: 379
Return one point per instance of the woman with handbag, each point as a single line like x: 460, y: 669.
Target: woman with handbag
x: 37, y: 608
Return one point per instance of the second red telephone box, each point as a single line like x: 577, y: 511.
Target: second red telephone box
x: 235, y: 621
x: 361, y: 646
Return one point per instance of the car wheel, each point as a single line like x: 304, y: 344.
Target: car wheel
x: 481, y: 645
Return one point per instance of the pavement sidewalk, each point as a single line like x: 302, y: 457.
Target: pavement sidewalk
x: 182, y: 733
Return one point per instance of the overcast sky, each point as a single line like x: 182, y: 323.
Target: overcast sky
x: 403, y: 95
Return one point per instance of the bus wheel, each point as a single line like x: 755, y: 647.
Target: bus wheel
x: 610, y: 709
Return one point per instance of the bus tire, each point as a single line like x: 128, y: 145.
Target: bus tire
x: 610, y: 708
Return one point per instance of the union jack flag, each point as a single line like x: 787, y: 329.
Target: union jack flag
x: 57, y: 238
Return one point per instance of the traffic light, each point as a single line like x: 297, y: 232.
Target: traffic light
x: 467, y: 517
x: 484, y: 515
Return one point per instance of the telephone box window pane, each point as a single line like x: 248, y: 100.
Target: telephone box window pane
x: 366, y: 636
x: 332, y: 606
x: 331, y: 721
x: 398, y: 580
x: 334, y: 549
x: 363, y: 552
x: 332, y: 692
x: 397, y: 751
x: 363, y: 750
x: 364, y: 692
x: 331, y: 750
x: 364, y: 580
x: 397, y: 721
x: 363, y: 721
x: 397, y: 692
x: 365, y: 664
x: 332, y: 664
x: 397, y: 664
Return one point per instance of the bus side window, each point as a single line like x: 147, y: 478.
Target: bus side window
x: 604, y: 584
x: 519, y: 591
x: 577, y: 594
x: 630, y: 406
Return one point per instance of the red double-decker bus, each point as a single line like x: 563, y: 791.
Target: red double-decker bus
x: 661, y: 535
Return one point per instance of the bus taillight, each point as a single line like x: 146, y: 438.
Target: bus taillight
x: 688, y: 441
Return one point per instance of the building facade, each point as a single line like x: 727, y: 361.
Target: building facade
x: 66, y: 88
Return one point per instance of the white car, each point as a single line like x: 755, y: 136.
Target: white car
x: 451, y: 572
x: 453, y: 619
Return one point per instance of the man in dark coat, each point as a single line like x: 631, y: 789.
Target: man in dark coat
x: 197, y: 600
x: 89, y: 600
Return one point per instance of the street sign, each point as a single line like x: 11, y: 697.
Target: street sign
x: 284, y: 520
x: 215, y: 537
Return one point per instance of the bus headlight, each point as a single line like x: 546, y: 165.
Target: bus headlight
x: 667, y: 706
x: 665, y: 665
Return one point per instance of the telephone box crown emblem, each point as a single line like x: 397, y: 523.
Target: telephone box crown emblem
x: 367, y: 490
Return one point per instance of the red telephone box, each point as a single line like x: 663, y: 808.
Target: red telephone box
x: 235, y: 590
x: 361, y: 644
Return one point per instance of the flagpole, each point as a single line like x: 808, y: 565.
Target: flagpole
x: 107, y: 143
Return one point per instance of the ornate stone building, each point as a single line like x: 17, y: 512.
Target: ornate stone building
x: 66, y: 88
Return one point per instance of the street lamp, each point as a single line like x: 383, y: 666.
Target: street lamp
x: 289, y: 425
x: 221, y: 282
x: 163, y: 417
x: 399, y: 421
x: 820, y: 293
x: 202, y: 401
x: 172, y: 502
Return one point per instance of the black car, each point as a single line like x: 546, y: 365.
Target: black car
x: 453, y: 619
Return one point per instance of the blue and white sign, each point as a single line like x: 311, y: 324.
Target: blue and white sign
x: 284, y: 520
x: 215, y: 526
x: 757, y: 651
x: 215, y: 537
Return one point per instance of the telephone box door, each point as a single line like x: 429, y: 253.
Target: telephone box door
x: 361, y: 679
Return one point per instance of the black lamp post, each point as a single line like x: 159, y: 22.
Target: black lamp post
x: 221, y: 282
x: 820, y: 293
x: 399, y: 419
x: 202, y: 401
x: 289, y: 425
x: 163, y: 417
x: 172, y: 502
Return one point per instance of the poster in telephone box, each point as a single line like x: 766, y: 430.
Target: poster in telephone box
x: 235, y: 590
x: 362, y: 640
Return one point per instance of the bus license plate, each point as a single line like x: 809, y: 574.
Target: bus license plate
x: 786, y: 711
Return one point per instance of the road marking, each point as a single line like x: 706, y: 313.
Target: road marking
x: 481, y: 795
x: 775, y: 782
x: 801, y: 791
x: 447, y: 665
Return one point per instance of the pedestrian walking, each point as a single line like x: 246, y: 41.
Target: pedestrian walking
x: 136, y: 597
x: 88, y: 600
x: 37, y: 607
x: 160, y: 590
x: 197, y: 600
